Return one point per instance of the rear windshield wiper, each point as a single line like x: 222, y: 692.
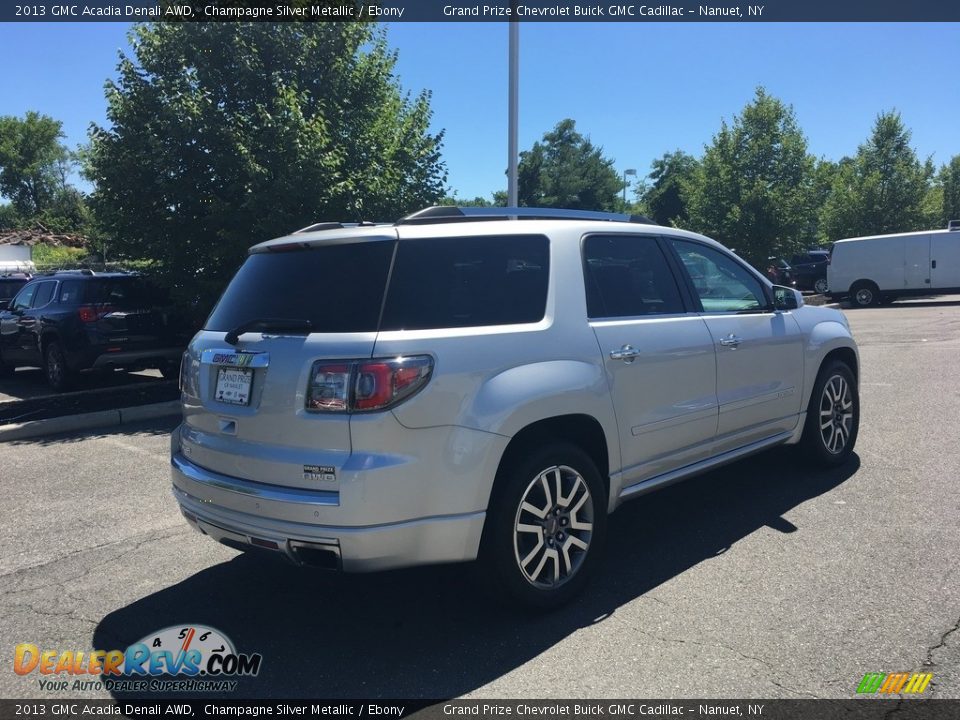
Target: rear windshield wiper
x: 280, y: 325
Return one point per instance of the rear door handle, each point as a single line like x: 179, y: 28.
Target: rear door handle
x: 933, y: 264
x: 627, y: 353
x: 731, y: 341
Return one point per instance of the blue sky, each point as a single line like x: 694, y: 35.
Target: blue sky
x: 638, y: 89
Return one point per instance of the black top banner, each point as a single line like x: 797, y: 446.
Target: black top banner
x: 470, y: 11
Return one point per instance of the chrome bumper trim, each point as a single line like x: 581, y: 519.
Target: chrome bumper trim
x: 253, y: 489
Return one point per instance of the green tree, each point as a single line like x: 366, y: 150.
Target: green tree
x: 225, y: 134
x: 566, y: 170
x: 33, y: 162
x: 9, y: 217
x: 456, y: 201
x: 752, y: 190
x: 948, y: 184
x: 665, y: 197
x: 883, y: 189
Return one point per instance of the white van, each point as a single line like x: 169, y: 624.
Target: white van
x: 885, y: 267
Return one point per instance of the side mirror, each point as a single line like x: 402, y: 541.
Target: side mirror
x: 785, y: 298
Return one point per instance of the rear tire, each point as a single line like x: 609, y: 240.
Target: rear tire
x: 546, y: 526
x: 820, y: 286
x: 59, y: 375
x: 169, y: 371
x: 864, y: 294
x: 833, y: 416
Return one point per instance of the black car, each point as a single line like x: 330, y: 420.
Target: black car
x: 779, y: 272
x: 67, y: 322
x: 10, y: 284
x: 810, y: 270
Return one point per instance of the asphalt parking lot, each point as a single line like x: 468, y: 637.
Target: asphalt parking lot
x: 760, y: 580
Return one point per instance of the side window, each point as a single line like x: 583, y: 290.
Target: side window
x: 70, y: 291
x: 627, y: 276
x: 23, y: 299
x: 722, y: 284
x: 468, y: 282
x: 43, y: 294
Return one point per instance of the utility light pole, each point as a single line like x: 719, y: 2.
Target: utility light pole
x: 513, y: 93
x: 631, y: 171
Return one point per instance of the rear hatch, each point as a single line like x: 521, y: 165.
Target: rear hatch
x: 247, y: 373
x: 129, y: 313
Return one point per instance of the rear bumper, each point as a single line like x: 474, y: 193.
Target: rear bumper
x: 138, y: 358
x: 250, y: 515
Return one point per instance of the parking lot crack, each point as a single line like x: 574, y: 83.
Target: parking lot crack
x: 172, y: 531
x: 930, y: 661
x: 59, y: 614
x: 728, y: 648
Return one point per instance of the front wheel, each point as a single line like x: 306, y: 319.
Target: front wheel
x: 833, y: 416
x: 546, y: 526
x: 820, y: 286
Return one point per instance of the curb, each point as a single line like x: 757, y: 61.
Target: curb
x: 88, y: 421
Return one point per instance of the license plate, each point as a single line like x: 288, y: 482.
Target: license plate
x: 233, y: 385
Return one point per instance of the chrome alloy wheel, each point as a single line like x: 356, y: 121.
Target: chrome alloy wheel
x: 836, y: 414
x: 820, y: 286
x: 553, y: 527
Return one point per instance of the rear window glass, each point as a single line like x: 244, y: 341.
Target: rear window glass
x: 9, y: 288
x: 337, y: 288
x: 470, y: 281
x: 120, y: 292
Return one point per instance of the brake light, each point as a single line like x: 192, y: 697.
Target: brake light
x: 92, y: 313
x: 366, y: 385
x: 190, y: 375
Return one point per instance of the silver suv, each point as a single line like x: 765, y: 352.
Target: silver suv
x: 445, y: 389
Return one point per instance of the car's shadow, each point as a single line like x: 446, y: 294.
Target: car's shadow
x: 434, y: 632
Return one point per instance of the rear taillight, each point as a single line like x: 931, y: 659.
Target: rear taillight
x: 92, y: 313
x: 190, y: 375
x: 366, y: 385
x: 329, y: 388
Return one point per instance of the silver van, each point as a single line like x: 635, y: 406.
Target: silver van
x: 490, y: 383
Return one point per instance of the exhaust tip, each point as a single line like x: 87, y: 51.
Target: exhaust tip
x: 323, y: 557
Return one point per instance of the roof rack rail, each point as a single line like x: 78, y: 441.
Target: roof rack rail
x: 317, y: 227
x: 77, y: 271
x: 449, y: 213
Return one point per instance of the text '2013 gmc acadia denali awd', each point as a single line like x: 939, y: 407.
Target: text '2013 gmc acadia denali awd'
x: 445, y: 389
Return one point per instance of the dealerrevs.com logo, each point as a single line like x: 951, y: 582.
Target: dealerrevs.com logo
x: 184, y: 658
